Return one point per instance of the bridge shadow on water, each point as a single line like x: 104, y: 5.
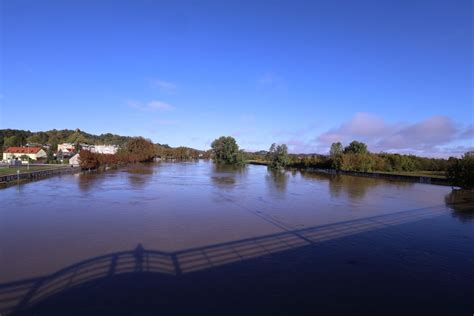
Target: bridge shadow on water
x: 226, y: 277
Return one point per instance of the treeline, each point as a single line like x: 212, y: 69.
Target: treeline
x: 136, y: 149
x: 369, y: 162
x: 14, y: 137
x: 179, y: 153
x: 356, y: 157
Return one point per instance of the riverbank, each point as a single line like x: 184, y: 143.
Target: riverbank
x: 419, y: 177
x: 22, y: 174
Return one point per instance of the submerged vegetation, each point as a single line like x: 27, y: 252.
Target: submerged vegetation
x: 277, y: 156
x: 137, y: 149
x: 461, y: 171
x: 226, y: 151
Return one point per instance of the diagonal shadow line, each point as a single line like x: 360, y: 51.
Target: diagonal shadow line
x: 18, y: 294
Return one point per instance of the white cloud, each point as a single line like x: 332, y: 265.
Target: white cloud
x: 433, y: 136
x: 163, y: 86
x: 153, y: 105
x: 159, y: 105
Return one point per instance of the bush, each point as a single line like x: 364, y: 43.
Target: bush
x: 138, y: 149
x: 277, y: 156
x: 225, y: 150
x: 461, y: 171
x: 88, y: 160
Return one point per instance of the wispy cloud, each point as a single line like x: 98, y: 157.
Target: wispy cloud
x: 163, y: 86
x: 153, y: 105
x: 159, y: 105
x: 271, y: 80
x: 167, y: 122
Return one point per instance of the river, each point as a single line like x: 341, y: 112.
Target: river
x: 367, y: 242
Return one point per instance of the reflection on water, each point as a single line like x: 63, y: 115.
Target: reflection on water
x: 90, y: 180
x: 139, y: 175
x: 355, y: 188
x: 198, y: 216
x: 171, y: 207
x: 462, y: 204
x: 277, y: 181
x: 227, y: 175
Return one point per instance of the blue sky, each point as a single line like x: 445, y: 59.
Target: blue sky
x: 395, y: 74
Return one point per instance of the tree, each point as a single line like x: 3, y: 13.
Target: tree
x: 88, y: 160
x: 335, y: 153
x: 356, y: 147
x: 24, y: 158
x: 12, y: 141
x: 357, y: 162
x: 461, y: 171
x: 278, y: 156
x: 336, y: 150
x: 50, y: 156
x: 225, y: 150
x: 138, y: 149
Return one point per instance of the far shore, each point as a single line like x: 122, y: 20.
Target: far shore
x: 417, y: 176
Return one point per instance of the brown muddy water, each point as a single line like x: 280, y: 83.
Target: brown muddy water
x: 176, y: 238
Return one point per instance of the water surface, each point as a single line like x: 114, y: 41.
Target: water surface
x: 199, y: 216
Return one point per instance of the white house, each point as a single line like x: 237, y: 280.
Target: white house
x: 75, y: 161
x: 66, y: 147
x: 34, y: 153
x: 105, y: 149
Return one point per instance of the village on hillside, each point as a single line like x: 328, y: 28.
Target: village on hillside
x: 66, y: 153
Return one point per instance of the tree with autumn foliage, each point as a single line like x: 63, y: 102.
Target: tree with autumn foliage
x: 138, y: 149
x: 88, y: 160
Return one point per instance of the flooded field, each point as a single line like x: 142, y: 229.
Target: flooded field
x: 216, y: 235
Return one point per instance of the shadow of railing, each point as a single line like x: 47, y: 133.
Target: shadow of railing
x: 15, y: 296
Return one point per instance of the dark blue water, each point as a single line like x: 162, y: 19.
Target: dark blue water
x: 188, y: 237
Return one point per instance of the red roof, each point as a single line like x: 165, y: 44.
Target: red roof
x: 23, y: 150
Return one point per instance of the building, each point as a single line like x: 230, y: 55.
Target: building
x: 20, y: 153
x: 105, y: 149
x: 75, y: 161
x: 65, y: 153
x: 66, y: 147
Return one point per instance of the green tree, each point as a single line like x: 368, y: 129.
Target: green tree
x: 461, y: 171
x: 12, y: 141
x: 24, y: 158
x: 225, y: 150
x: 336, y: 149
x: 356, y: 147
x: 357, y: 162
x: 50, y: 156
x: 278, y: 156
x: 335, y: 153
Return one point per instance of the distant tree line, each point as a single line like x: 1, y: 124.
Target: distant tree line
x: 178, y: 153
x: 13, y: 138
x: 461, y: 171
x: 356, y: 157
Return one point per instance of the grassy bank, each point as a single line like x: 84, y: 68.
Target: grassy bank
x: 431, y: 174
x: 24, y: 169
x: 438, y: 177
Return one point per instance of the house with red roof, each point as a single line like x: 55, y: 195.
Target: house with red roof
x: 20, y: 153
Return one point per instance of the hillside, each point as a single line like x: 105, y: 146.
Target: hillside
x: 14, y: 137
